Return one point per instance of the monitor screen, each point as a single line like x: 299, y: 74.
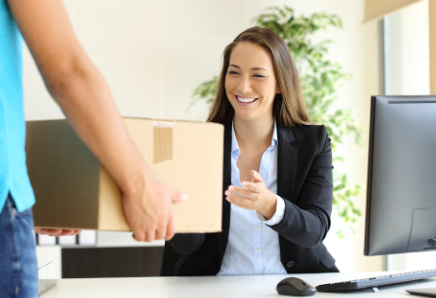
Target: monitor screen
x: 401, y: 187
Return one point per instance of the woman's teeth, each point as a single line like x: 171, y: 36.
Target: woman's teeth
x: 246, y: 99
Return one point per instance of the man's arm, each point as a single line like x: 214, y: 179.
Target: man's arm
x: 81, y: 92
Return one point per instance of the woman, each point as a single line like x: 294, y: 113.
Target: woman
x: 274, y: 222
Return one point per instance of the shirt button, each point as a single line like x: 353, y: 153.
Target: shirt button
x: 256, y: 228
x: 257, y: 250
x: 290, y: 264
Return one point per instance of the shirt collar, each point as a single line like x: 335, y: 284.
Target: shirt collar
x: 274, y: 140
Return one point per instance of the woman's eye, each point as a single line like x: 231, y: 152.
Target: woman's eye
x: 233, y: 72
x: 259, y: 76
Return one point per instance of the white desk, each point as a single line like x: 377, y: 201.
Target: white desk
x: 214, y: 286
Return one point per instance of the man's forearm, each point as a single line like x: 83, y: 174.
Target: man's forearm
x: 85, y: 99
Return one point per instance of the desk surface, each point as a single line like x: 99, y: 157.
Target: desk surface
x: 215, y: 286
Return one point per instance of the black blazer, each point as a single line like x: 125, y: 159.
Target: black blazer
x: 304, y: 181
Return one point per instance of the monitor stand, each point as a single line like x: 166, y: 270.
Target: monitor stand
x: 431, y: 292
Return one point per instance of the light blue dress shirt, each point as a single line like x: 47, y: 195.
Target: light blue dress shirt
x: 253, y: 247
x: 13, y: 170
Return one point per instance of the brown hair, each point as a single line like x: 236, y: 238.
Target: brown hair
x: 289, y: 108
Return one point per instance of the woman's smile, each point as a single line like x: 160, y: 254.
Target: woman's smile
x: 245, y: 101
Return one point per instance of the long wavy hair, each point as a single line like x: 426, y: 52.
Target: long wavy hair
x: 288, y: 106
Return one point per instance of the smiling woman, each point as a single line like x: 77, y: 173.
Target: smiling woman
x: 278, y: 187
x: 250, y: 82
x: 278, y: 73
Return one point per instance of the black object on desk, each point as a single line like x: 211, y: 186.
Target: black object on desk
x: 401, y: 201
x: 293, y: 286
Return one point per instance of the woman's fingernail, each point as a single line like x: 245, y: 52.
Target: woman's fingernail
x: 183, y: 197
x: 231, y: 188
x: 227, y: 193
x: 244, y: 183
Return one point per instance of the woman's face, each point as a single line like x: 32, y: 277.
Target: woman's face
x: 250, y: 82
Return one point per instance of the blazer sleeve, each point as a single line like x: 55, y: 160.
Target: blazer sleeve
x: 186, y: 244
x: 307, y: 221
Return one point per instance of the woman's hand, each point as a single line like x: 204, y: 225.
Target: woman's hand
x: 56, y: 232
x: 254, y: 197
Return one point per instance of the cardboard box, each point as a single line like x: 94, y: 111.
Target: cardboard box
x: 73, y: 190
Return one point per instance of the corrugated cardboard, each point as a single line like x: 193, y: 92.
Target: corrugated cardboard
x: 73, y: 190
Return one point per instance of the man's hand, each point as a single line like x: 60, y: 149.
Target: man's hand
x: 56, y: 232
x: 150, y: 214
x: 254, y: 197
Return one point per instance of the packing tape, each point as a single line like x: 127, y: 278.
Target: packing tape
x: 162, y: 141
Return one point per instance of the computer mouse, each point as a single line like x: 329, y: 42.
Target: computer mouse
x: 293, y: 286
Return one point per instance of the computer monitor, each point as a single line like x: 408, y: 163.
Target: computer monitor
x: 401, y: 188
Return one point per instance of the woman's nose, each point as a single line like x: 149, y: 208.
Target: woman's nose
x: 244, y: 85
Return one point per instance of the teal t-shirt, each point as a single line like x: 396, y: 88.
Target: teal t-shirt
x: 13, y: 170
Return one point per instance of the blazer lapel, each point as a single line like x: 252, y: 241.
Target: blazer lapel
x: 223, y: 237
x: 287, y: 162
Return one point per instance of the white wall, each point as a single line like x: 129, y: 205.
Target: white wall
x: 407, y: 51
x: 154, y: 53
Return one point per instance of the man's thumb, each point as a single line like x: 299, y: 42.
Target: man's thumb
x: 177, y: 196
